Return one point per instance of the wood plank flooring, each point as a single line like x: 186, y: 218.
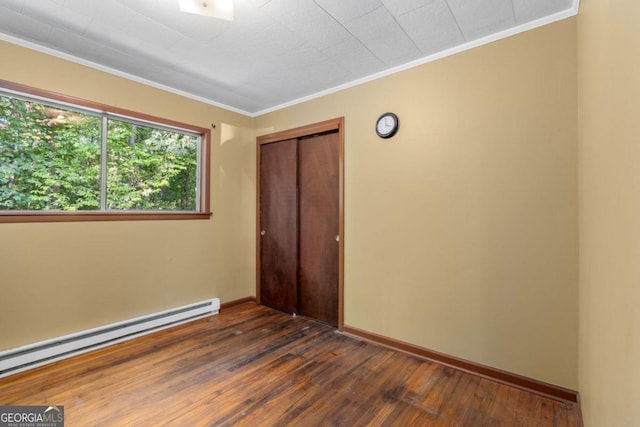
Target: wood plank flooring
x: 254, y: 366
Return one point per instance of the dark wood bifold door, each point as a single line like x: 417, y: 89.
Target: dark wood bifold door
x: 299, y: 226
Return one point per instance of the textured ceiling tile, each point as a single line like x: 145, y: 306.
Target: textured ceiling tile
x: 400, y: 7
x: 478, y: 18
x: 345, y: 11
x: 52, y: 12
x: 150, y: 9
x: 97, y: 52
x: 229, y: 96
x: 302, y: 54
x: 142, y: 28
x: 314, y: 25
x: 384, y: 37
x: 432, y: 27
x: 237, y: 39
x: 527, y: 10
x: 262, y: 90
x: 355, y: 58
x: 196, y: 83
x: 113, y: 13
x: 314, y: 77
x: 238, y: 55
x: 197, y: 53
x: 158, y: 74
x: 194, y: 27
x: 279, y: 40
x: 199, y: 33
x: 122, y: 53
x: 15, y: 5
x: 16, y: 24
x: 303, y: 70
x: 83, y: 7
x: 257, y: 3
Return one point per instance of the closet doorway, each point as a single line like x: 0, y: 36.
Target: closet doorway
x: 300, y: 221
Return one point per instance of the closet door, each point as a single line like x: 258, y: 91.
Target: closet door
x: 318, y: 181
x: 279, y: 225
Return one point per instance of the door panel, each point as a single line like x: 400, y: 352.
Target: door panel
x: 279, y: 225
x: 318, y: 181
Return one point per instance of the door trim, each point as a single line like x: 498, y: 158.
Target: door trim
x: 300, y: 132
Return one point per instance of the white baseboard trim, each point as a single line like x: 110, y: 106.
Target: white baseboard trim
x: 41, y: 353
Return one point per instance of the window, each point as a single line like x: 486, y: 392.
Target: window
x: 67, y: 159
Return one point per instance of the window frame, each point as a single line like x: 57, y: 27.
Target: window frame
x: 117, y: 113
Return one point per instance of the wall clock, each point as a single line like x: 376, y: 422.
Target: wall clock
x: 387, y: 125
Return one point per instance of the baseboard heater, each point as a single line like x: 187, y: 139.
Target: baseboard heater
x: 32, y: 355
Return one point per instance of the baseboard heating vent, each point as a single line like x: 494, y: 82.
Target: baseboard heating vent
x: 32, y: 355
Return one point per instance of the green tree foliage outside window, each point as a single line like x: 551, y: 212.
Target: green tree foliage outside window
x: 50, y: 160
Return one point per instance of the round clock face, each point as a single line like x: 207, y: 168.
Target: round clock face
x: 387, y: 125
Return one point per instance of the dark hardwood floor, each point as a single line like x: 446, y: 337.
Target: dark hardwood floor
x: 254, y: 366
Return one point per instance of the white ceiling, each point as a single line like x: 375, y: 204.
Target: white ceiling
x: 275, y: 52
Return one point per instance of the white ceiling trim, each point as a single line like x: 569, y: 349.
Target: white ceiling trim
x: 461, y: 48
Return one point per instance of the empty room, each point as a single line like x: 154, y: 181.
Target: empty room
x: 319, y: 212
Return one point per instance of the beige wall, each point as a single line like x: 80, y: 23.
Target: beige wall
x: 61, y: 278
x: 609, y: 61
x: 461, y: 231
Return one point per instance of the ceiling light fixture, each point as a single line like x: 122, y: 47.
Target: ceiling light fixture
x: 221, y: 9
